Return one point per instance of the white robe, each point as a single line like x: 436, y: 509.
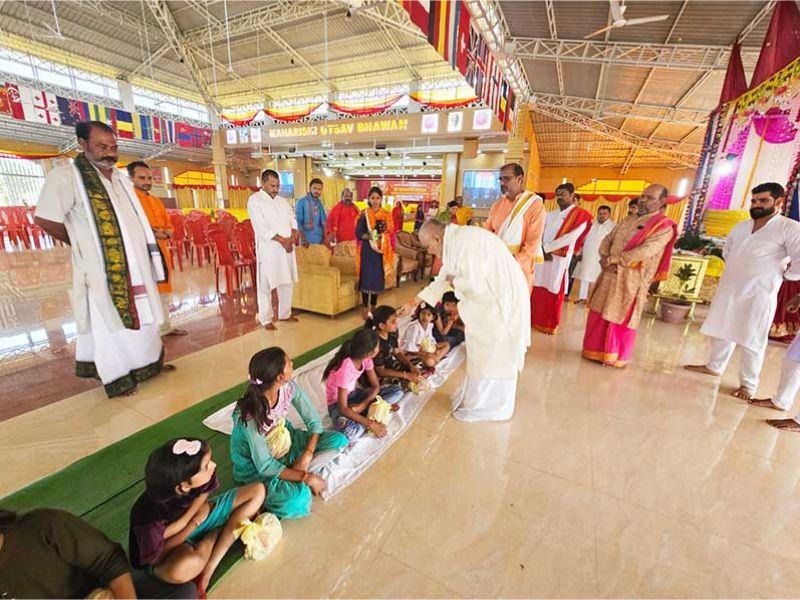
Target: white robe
x: 102, y: 337
x: 588, y: 268
x: 495, y: 307
x: 755, y: 266
x: 276, y: 268
x: 552, y: 274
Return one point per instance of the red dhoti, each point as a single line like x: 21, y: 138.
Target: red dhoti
x: 546, y: 309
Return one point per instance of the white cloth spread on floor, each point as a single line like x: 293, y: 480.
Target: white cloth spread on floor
x: 341, y: 469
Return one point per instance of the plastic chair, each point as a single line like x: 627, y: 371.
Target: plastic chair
x: 245, y: 245
x: 179, y: 243
x: 224, y: 260
x: 200, y: 244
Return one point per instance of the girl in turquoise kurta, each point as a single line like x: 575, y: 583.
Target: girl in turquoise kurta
x: 266, y: 447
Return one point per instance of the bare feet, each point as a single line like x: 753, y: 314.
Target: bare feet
x: 168, y: 368
x: 271, y: 327
x: 742, y: 394
x: 763, y: 403
x: 701, y: 369
x: 785, y: 424
x: 579, y: 302
x: 129, y: 393
x: 395, y: 407
x: 291, y: 319
x: 177, y: 332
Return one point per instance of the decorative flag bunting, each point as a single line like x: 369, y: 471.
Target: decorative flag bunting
x: 365, y: 107
x: 40, y: 106
x: 446, y: 24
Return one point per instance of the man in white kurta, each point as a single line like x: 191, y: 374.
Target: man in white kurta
x: 275, y: 228
x: 588, y: 269
x: 757, y: 253
x: 494, y: 306
x: 120, y: 353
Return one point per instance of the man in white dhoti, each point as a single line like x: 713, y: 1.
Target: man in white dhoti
x: 588, y: 269
x: 275, y: 227
x: 564, y: 231
x: 495, y: 308
x: 92, y: 206
x: 756, y: 252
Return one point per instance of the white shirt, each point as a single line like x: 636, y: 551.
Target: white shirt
x: 552, y: 274
x: 755, y: 266
x: 270, y: 217
x: 588, y: 268
x: 414, y: 335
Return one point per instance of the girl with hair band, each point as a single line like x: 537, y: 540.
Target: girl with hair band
x: 266, y: 447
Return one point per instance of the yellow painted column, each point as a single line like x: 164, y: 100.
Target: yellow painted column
x: 451, y: 178
x: 220, y: 168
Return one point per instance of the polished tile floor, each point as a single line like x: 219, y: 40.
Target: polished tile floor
x: 648, y: 482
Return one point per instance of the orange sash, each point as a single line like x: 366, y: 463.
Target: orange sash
x: 575, y: 218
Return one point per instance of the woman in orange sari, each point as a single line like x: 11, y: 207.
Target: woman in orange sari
x: 375, y: 256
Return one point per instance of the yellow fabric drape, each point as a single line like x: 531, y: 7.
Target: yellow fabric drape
x: 238, y: 198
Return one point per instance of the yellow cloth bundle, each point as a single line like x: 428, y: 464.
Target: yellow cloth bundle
x: 260, y: 536
x: 278, y: 440
x: 428, y: 345
x: 419, y: 388
x: 379, y: 410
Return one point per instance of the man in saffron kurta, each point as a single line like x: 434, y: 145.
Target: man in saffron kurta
x: 142, y: 178
x: 464, y: 213
x: 564, y: 231
x: 341, y: 223
x: 637, y: 250
x: 518, y: 219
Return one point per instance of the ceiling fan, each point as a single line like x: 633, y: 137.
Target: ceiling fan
x: 618, y: 18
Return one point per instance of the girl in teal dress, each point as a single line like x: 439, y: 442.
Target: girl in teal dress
x: 266, y: 447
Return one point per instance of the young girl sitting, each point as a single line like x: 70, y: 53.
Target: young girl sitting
x: 266, y: 447
x: 347, y: 404
x: 418, y: 340
x: 392, y: 365
x: 176, y: 532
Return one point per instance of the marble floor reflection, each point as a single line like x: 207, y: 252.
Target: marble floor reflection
x: 650, y: 482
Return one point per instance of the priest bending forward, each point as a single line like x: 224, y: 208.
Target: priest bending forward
x: 495, y: 307
x: 636, y: 251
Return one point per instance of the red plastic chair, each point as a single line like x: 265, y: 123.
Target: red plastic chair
x: 224, y: 260
x: 245, y: 245
x: 200, y: 244
x: 179, y: 244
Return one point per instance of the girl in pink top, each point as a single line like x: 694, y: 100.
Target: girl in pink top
x: 347, y: 403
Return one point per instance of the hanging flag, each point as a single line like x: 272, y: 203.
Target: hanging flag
x: 157, y: 130
x: 15, y: 101
x: 122, y: 123
x: 145, y: 127
x: 72, y: 111
x: 5, y: 103
x: 418, y: 10
x: 98, y: 112
x: 168, y: 131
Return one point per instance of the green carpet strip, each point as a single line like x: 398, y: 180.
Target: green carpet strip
x: 103, y: 486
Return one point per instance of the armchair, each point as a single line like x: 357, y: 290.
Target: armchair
x: 323, y: 286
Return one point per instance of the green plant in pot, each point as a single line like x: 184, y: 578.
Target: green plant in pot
x: 674, y: 310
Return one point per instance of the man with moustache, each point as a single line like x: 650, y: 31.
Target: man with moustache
x: 518, y: 219
x: 116, y: 263
x: 759, y: 254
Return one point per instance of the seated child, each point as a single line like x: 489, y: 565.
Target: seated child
x: 347, y: 404
x: 392, y: 365
x: 177, y: 532
x: 449, y: 326
x: 266, y: 447
x: 418, y: 340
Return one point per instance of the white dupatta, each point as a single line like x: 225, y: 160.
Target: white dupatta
x: 511, y: 229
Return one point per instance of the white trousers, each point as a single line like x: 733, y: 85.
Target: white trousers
x: 120, y: 353
x: 265, y: 315
x: 789, y: 385
x: 166, y: 327
x: 484, y: 399
x: 583, y: 292
x: 750, y: 362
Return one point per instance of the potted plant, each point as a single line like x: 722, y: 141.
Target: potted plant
x: 674, y: 310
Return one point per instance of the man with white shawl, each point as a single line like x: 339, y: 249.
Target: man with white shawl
x: 759, y: 254
x: 518, y: 219
x: 92, y: 206
x: 495, y: 307
x: 275, y: 228
x: 588, y: 269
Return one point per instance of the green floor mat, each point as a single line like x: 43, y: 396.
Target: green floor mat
x: 102, y: 487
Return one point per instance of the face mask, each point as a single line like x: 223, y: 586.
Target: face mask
x: 759, y: 212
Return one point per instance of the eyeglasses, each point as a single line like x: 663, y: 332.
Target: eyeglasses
x: 505, y: 178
